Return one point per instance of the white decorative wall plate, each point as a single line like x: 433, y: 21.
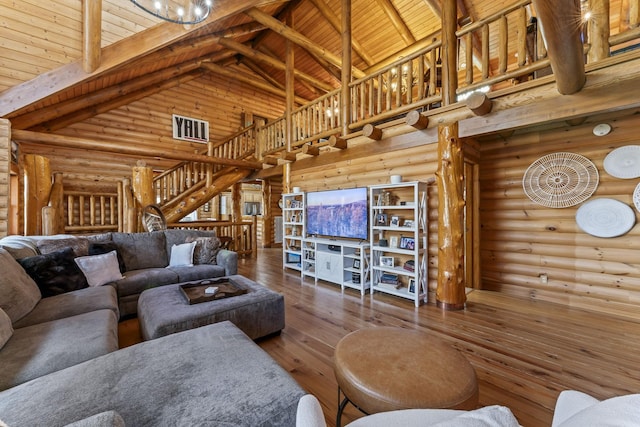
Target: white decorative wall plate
x: 623, y: 162
x: 560, y: 180
x: 605, y: 217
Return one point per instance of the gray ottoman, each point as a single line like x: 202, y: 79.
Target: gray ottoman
x: 164, y: 310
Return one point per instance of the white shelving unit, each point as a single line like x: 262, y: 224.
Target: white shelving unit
x: 293, y: 230
x: 398, y: 239
x: 343, y: 262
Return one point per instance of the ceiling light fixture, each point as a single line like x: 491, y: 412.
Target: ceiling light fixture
x: 177, y: 11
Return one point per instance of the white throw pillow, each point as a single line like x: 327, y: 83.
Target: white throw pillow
x: 182, y: 255
x: 6, y: 328
x: 100, y: 269
x: 621, y: 411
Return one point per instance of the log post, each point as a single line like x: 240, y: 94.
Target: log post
x: 37, y: 185
x: 254, y: 237
x: 345, y: 75
x: 53, y: 214
x: 142, y: 185
x: 129, y: 208
x: 267, y: 215
x: 449, y: 51
x: 5, y: 177
x: 91, y: 34
x: 450, y: 293
x: 289, y: 88
x: 564, y: 47
x: 311, y: 150
x: 598, y: 30
x: 479, y: 103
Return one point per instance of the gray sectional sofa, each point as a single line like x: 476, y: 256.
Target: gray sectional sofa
x: 59, y: 354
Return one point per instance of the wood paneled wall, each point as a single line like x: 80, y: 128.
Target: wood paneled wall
x: 521, y: 240
x: 148, y: 123
x: 5, y: 171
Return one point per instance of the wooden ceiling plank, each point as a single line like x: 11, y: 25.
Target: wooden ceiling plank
x: 334, y: 21
x: 91, y: 34
x: 562, y: 35
x: 261, y: 72
x: 111, y: 147
x: 19, y: 97
x: 297, y: 38
x: 250, y: 81
x: 397, y: 21
x: 262, y: 57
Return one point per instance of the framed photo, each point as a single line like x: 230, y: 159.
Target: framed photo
x: 396, y: 221
x: 293, y: 258
x: 356, y: 263
x: 412, y: 286
x: 387, y: 261
x: 407, y: 243
x: 393, y: 241
x: 382, y: 220
x: 408, y: 223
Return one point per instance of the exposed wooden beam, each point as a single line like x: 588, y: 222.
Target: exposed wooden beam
x: 252, y: 81
x: 125, y: 149
x: 420, y: 44
x: 261, y: 72
x: 307, y: 85
x: 91, y: 34
x: 100, y: 97
x: 116, y: 102
x: 261, y: 57
x: 561, y: 30
x: 19, y: 97
x: 334, y: 21
x: 397, y: 21
x: 298, y: 38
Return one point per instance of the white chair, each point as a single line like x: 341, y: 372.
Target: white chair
x: 573, y: 409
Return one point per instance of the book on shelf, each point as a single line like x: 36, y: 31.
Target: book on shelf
x: 389, y: 285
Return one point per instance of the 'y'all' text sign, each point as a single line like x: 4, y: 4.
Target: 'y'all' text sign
x: 189, y: 129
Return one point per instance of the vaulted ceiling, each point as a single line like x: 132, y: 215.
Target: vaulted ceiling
x: 44, y: 84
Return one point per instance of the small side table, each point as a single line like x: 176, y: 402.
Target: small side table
x: 385, y: 369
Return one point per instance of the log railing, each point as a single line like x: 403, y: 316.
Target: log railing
x: 407, y: 84
x: 318, y: 119
x: 239, y: 236
x: 271, y: 137
x: 89, y: 213
x: 173, y: 183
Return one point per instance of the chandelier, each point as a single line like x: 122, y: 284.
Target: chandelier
x: 178, y: 11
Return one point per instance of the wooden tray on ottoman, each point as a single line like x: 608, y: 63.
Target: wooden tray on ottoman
x: 194, y: 291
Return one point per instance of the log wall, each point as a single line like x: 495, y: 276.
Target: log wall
x: 521, y: 240
x: 5, y: 171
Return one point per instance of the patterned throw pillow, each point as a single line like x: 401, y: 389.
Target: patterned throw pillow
x: 206, y: 250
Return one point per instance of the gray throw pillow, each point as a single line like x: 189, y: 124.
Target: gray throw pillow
x: 6, y: 328
x: 19, y: 294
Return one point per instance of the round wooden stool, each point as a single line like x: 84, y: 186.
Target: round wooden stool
x: 385, y: 369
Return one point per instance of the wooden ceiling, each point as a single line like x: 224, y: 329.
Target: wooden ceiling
x: 44, y: 87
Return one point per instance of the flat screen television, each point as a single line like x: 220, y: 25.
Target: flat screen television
x: 338, y: 213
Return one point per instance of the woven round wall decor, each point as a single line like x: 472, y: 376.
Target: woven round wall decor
x: 560, y: 180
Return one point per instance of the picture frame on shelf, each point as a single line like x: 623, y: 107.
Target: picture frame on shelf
x: 387, y: 261
x: 396, y: 221
x: 382, y: 220
x: 408, y: 223
x: 293, y: 258
x: 408, y: 243
x: 356, y: 263
x: 411, y: 287
x: 393, y: 241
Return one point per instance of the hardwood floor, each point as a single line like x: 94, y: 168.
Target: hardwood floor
x: 524, y: 352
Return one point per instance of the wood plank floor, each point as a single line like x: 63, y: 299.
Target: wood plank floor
x: 524, y: 352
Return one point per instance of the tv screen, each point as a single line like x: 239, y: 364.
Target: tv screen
x: 338, y: 213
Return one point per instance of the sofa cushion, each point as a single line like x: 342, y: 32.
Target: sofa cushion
x: 47, y: 347
x: 71, y: 304
x: 103, y: 419
x: 19, y: 246
x: 6, y: 328
x: 55, y: 272
x: 136, y: 281
x: 209, y: 376
x: 142, y: 250
x: 100, y: 269
x: 99, y: 248
x: 80, y: 245
x: 206, y: 250
x: 18, y: 292
x: 182, y: 255
x: 197, y: 272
